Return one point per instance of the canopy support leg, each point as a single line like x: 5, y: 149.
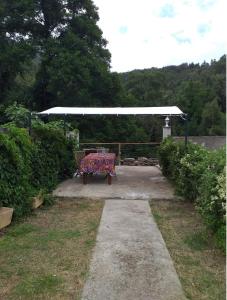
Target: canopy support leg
x: 64, y: 125
x: 30, y: 123
x: 186, y: 131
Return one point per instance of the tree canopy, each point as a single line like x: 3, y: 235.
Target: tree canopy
x: 61, y: 41
x: 198, y: 90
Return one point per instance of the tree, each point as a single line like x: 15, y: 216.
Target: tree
x: 213, y: 120
x: 73, y: 60
x: 192, y: 87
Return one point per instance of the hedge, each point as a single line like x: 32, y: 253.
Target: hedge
x: 53, y: 157
x: 199, y: 176
x: 15, y: 170
x: 29, y: 165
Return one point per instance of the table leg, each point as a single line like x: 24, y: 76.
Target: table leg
x: 109, y: 179
x: 84, y: 178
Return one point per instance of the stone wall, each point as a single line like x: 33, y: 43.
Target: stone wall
x: 209, y: 142
x: 140, y: 161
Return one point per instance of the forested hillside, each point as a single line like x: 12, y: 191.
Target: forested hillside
x: 52, y: 53
x: 199, y: 90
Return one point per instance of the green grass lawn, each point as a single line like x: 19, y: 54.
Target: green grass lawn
x: 199, y: 264
x: 47, y: 256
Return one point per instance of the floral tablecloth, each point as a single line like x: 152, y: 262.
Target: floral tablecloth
x: 98, y: 163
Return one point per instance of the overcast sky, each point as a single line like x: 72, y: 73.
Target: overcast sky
x: 156, y: 33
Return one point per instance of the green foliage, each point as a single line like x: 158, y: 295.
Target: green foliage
x: 63, y: 61
x: 53, y: 156
x: 211, y: 201
x: 220, y: 236
x: 199, y: 90
x: 14, y: 54
x: 191, y: 167
x: 213, y: 120
x: 49, y: 199
x: 15, y: 170
x: 199, y: 175
x: 170, y: 154
x: 28, y: 165
x: 17, y: 114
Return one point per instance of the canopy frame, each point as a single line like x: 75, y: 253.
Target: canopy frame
x: 161, y: 110
x: 166, y: 111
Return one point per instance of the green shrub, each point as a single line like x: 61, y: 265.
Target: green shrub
x: 211, y: 201
x: 190, y: 169
x: 18, y: 115
x: 30, y: 164
x: 170, y: 154
x: 165, y: 154
x: 15, y: 170
x: 198, y: 175
x: 49, y: 199
x: 53, y: 158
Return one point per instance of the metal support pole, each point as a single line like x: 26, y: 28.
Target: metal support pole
x: 186, y: 131
x: 30, y: 123
x: 64, y: 125
x: 119, y: 154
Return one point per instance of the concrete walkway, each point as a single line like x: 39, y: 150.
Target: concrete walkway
x: 130, y: 260
x: 130, y: 183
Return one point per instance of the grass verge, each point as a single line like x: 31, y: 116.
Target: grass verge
x: 199, y: 263
x: 47, y: 256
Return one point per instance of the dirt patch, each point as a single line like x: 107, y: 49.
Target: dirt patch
x: 47, y: 256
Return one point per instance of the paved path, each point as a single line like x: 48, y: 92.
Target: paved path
x: 130, y: 183
x: 130, y: 260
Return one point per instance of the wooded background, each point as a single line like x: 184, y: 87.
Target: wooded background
x: 52, y: 53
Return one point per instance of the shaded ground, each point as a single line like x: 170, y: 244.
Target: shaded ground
x: 140, y: 182
x: 47, y: 256
x: 130, y: 260
x: 199, y: 264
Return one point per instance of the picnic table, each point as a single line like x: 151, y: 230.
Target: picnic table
x: 98, y: 163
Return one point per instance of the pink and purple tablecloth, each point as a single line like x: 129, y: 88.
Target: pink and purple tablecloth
x: 98, y: 163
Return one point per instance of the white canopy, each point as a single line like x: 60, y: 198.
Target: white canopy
x: 164, y: 110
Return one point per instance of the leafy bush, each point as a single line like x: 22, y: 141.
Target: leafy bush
x: 49, y: 199
x: 17, y: 115
x: 190, y: 168
x: 15, y: 170
x: 53, y: 158
x: 211, y: 201
x: 30, y: 164
x: 170, y: 154
x: 165, y: 155
x: 199, y: 175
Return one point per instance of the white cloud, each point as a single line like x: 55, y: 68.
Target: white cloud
x: 158, y: 33
x: 167, y: 11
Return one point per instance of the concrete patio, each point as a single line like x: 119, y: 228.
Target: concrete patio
x: 139, y: 182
